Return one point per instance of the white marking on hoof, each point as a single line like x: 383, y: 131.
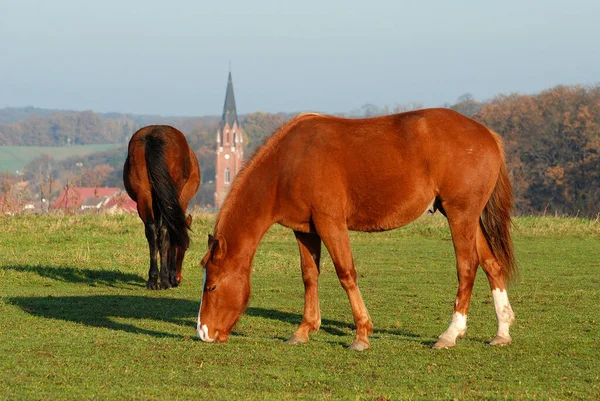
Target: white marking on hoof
x: 504, y: 313
x: 457, y: 329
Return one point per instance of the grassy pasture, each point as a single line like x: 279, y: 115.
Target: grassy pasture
x: 76, y: 321
x: 15, y: 158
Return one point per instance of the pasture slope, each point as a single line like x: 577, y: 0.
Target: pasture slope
x: 15, y: 158
x: 78, y: 323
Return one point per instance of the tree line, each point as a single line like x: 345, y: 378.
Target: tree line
x: 552, y: 142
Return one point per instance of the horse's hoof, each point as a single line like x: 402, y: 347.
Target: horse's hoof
x: 175, y: 281
x: 499, y: 340
x: 358, y: 346
x: 152, y: 285
x: 444, y: 343
x: 296, y: 340
x: 165, y: 286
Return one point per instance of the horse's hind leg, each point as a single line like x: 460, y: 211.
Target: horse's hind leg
x: 176, y: 275
x: 151, y: 230
x: 172, y: 258
x: 164, y: 247
x: 493, y: 270
x: 335, y: 237
x: 310, y: 256
x: 464, y: 229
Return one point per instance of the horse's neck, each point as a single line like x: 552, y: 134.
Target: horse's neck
x: 245, y: 221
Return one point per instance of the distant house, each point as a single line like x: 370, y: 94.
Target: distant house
x: 121, y: 203
x: 90, y: 199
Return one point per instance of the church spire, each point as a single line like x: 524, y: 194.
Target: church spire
x: 229, y: 110
x: 230, y: 146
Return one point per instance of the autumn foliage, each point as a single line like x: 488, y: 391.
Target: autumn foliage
x: 553, y: 148
x: 552, y: 144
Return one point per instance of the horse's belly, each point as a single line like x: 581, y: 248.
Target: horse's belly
x: 380, y: 212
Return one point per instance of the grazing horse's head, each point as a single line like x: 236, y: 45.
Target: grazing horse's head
x: 225, y: 291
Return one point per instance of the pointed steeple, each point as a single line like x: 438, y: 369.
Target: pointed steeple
x: 229, y: 146
x: 229, y: 111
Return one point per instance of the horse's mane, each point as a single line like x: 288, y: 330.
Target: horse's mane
x: 260, y: 154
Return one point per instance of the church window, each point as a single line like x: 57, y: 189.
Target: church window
x: 227, y: 176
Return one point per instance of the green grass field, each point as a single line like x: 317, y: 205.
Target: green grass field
x: 15, y: 158
x: 76, y: 321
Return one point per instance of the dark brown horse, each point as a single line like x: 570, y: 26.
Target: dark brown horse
x: 161, y: 174
x: 322, y: 176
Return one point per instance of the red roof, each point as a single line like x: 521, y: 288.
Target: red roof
x: 122, y: 201
x: 74, y: 197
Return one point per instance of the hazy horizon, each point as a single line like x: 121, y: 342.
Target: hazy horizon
x: 149, y: 57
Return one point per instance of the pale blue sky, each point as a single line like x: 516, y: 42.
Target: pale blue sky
x: 171, y: 57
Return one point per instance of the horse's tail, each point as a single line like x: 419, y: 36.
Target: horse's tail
x: 164, y: 193
x: 496, y: 221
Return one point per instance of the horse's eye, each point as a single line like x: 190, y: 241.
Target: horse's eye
x: 211, y: 288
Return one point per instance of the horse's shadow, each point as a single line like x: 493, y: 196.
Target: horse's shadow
x: 329, y: 326
x: 105, y: 311
x: 108, y: 278
x: 109, y: 311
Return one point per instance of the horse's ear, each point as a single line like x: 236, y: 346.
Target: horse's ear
x: 220, y: 248
x: 211, y: 241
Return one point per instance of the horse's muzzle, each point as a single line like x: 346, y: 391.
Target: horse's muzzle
x: 203, y: 333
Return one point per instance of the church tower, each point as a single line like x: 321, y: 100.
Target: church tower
x: 230, y: 147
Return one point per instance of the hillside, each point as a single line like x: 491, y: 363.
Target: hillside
x: 14, y: 158
x: 11, y: 115
x: 32, y: 126
x: 65, y: 128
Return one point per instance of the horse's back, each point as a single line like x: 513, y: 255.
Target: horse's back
x: 384, y: 172
x: 171, y: 147
x: 179, y: 157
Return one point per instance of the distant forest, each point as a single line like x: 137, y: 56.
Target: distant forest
x: 552, y: 142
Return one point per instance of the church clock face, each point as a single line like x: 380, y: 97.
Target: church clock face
x: 227, y: 156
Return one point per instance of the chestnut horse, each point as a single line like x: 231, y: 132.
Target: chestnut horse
x: 322, y: 176
x: 161, y: 174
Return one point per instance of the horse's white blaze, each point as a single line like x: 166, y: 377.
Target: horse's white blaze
x: 504, y: 312
x: 203, y: 333
x: 199, y: 329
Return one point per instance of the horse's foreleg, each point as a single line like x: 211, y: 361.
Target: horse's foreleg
x: 310, y: 256
x: 493, y: 270
x: 463, y: 236
x: 336, y: 239
x: 152, y: 237
x: 164, y: 249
